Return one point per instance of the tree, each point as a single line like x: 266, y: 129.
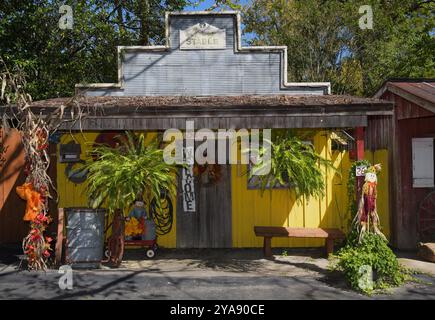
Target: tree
x: 54, y: 59
x: 325, y: 42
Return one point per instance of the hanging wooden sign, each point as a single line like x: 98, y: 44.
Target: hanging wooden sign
x: 188, y: 189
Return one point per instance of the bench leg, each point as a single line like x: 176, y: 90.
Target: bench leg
x: 329, y: 246
x: 267, y: 247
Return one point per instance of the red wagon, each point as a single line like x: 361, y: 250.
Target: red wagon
x: 150, y: 245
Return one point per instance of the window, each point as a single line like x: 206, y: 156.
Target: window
x: 423, y: 162
x: 254, y: 181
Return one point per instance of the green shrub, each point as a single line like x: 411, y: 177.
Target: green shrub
x: 372, y: 251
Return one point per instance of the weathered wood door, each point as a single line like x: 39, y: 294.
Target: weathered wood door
x: 210, y: 225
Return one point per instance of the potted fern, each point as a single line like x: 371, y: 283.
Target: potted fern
x: 117, y: 176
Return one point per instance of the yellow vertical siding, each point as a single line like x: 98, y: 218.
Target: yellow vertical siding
x: 381, y: 156
x: 280, y: 208
x: 73, y: 195
x: 275, y: 208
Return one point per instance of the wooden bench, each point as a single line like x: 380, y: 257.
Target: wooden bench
x: 329, y: 234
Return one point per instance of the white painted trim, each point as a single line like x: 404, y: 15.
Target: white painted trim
x: 98, y: 85
x: 238, y: 48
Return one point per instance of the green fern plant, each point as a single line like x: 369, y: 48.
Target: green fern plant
x: 118, y: 175
x: 294, y: 164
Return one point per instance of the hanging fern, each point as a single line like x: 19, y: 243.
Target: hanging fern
x: 120, y: 174
x: 294, y: 164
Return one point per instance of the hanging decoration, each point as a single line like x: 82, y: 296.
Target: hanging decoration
x: 36, y: 192
x: 34, y: 201
x: 188, y: 189
x: 162, y: 213
x: 35, y: 130
x: 209, y: 174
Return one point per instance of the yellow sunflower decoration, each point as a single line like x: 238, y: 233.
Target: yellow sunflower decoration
x: 133, y: 227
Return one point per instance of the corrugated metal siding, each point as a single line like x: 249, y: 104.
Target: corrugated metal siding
x: 201, y: 72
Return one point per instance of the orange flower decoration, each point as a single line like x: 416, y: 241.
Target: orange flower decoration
x: 34, y: 201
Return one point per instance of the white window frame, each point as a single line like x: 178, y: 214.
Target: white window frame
x: 423, y: 162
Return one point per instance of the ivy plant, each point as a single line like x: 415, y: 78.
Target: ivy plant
x: 356, y: 258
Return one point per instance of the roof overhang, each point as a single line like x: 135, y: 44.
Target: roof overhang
x: 418, y: 91
x: 215, y: 112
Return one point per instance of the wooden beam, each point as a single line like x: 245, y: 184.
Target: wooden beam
x: 59, y: 239
x: 218, y: 122
x: 359, y: 138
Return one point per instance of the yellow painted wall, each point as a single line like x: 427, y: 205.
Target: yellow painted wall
x: 73, y: 195
x: 280, y: 208
x: 275, y: 208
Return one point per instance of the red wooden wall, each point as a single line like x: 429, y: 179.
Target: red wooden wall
x: 12, y: 228
x: 409, y: 121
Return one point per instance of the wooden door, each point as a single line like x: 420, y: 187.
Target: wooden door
x: 209, y: 226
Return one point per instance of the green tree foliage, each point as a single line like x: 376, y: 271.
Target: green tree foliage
x: 54, y: 60
x: 325, y: 42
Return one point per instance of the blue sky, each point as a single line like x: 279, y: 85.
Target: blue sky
x: 208, y: 3
x: 205, y: 4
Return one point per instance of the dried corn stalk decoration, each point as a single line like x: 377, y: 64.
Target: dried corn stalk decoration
x: 35, y: 130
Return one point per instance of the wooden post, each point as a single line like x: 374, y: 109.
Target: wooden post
x: 267, y: 247
x: 59, y: 239
x: 329, y: 246
x: 359, y: 139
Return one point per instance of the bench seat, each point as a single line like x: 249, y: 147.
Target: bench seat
x: 329, y: 234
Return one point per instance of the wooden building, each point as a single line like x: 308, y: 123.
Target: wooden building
x: 203, y: 74
x: 410, y: 136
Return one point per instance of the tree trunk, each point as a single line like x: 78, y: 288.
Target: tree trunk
x: 116, y: 241
x: 144, y: 30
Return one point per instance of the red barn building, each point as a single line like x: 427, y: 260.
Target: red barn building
x: 410, y: 136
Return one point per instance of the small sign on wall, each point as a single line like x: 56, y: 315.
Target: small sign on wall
x: 360, y: 171
x: 188, y: 189
x: 202, y: 36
